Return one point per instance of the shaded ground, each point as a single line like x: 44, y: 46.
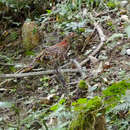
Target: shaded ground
x: 29, y: 93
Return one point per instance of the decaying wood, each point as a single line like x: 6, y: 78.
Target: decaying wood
x: 20, y: 75
x: 102, y: 41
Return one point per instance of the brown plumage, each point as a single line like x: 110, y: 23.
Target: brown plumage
x: 53, y: 57
x: 56, y: 54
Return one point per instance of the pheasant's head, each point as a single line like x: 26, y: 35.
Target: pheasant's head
x: 69, y: 37
x: 72, y: 34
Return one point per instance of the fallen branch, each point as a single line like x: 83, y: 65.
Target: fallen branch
x: 20, y: 75
x: 79, y: 68
x: 105, y: 13
x: 102, y: 41
x: 16, y: 65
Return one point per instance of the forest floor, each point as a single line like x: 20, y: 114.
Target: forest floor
x: 30, y: 94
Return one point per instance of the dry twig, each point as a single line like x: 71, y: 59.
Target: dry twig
x: 79, y: 68
x: 102, y: 41
x: 20, y: 75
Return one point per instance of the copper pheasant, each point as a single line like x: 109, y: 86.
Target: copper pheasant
x: 54, y: 55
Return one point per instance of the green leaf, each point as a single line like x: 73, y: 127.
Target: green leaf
x: 115, y: 36
x: 44, y: 78
x: 114, y: 92
x: 62, y: 101
x: 127, y: 30
x: 29, y: 53
x: 55, y: 107
x: 5, y: 104
x: 82, y: 100
x: 12, y: 68
x: 48, y: 11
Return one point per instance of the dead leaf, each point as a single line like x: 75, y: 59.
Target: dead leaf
x: 47, y: 100
x: 106, y: 65
x: 53, y: 121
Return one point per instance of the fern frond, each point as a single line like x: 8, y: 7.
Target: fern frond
x: 121, y: 107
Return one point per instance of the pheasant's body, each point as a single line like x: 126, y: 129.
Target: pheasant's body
x: 54, y: 55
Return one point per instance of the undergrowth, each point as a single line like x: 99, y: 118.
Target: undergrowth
x: 111, y: 107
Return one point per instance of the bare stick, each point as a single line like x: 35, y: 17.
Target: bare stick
x: 20, y: 75
x: 102, y: 41
x: 105, y: 13
x: 16, y: 65
x: 79, y: 68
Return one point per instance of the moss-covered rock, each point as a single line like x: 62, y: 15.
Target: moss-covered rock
x: 89, y: 115
x: 82, y: 84
x: 88, y: 121
x: 30, y: 35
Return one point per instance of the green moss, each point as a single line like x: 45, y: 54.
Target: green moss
x: 82, y: 84
x: 86, y: 111
x: 112, y: 4
x: 113, y: 93
x: 94, y: 104
x: 82, y: 122
x: 13, y: 36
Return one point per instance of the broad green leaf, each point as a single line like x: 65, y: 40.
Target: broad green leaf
x: 53, y: 108
x: 115, y: 36
x: 127, y: 30
x: 5, y: 104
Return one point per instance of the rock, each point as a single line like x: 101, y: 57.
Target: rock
x: 128, y: 52
x: 124, y: 18
x: 30, y: 35
x: 123, y: 3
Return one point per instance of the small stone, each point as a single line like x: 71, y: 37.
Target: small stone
x: 123, y: 3
x: 128, y: 52
x: 124, y: 18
